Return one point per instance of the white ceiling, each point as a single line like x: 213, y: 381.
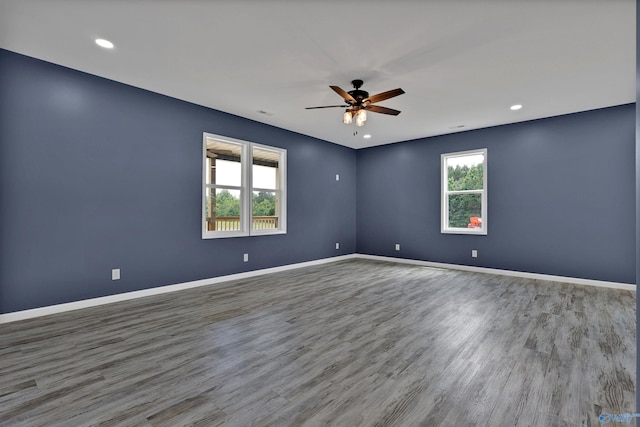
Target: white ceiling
x: 460, y: 62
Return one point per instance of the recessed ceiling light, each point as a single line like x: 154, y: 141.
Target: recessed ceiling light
x: 516, y: 107
x: 104, y: 43
x: 367, y: 136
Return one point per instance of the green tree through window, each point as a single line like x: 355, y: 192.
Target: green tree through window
x: 227, y: 205
x: 264, y: 204
x: 464, y: 206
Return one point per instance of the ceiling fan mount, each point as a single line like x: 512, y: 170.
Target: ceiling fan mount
x: 357, y: 100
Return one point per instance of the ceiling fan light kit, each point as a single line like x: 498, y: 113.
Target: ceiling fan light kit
x: 359, y: 102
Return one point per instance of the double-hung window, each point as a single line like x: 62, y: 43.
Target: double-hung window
x: 244, y: 188
x: 464, y: 192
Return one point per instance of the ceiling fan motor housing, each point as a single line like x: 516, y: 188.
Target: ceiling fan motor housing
x: 358, y: 94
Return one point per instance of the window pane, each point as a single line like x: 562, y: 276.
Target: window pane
x: 223, y: 163
x: 465, y: 172
x: 465, y: 210
x: 265, y: 177
x: 222, y: 210
x: 265, y: 169
x: 264, y: 210
x: 228, y: 173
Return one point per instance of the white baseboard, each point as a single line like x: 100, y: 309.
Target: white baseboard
x: 77, y: 305
x: 92, y: 302
x: 525, y: 275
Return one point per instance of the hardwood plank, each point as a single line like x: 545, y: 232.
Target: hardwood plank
x: 357, y: 342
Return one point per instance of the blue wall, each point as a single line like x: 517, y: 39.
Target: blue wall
x: 561, y: 197
x: 96, y: 175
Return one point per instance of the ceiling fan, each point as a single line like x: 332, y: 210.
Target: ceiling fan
x: 358, y: 102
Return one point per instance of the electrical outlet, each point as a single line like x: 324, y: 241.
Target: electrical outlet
x: 474, y: 253
x: 397, y: 246
x: 246, y: 257
x: 337, y: 245
x: 115, y: 274
x: 337, y: 177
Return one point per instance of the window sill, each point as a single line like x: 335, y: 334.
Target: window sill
x: 230, y: 234
x: 480, y: 232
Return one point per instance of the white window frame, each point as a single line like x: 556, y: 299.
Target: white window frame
x: 246, y: 189
x: 444, y: 175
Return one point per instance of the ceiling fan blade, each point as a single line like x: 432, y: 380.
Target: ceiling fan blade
x: 328, y: 106
x: 382, y: 110
x: 384, y: 95
x: 343, y: 94
x: 213, y: 153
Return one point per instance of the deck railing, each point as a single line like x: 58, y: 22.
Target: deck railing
x: 232, y: 223
x: 264, y: 222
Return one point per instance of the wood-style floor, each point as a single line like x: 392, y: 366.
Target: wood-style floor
x: 351, y: 343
